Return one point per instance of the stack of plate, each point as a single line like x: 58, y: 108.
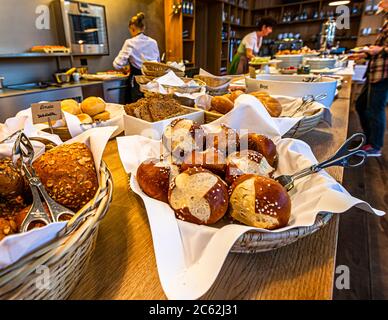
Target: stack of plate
x: 289, y: 60
x: 321, y: 63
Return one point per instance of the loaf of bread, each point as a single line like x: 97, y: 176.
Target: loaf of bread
x: 226, y: 140
x: 68, y: 174
x: 221, y: 104
x: 210, y: 159
x: 93, y: 106
x: 182, y: 137
x: 198, y: 196
x: 246, y: 162
x: 260, y: 202
x: 263, y: 145
x: 154, y: 178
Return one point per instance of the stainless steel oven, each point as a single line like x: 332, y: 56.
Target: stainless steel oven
x: 85, y: 27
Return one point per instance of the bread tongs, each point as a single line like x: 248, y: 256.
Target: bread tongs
x: 37, y: 214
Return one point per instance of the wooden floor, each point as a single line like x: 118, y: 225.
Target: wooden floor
x: 363, y: 238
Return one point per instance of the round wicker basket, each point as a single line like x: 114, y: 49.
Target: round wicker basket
x: 305, y: 125
x: 157, y: 69
x: 62, y: 132
x: 215, y: 86
x: 65, y: 258
x: 253, y: 242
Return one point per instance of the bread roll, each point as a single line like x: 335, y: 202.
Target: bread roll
x: 209, y: 159
x: 103, y: 116
x: 235, y: 94
x: 265, y: 146
x: 259, y: 94
x: 7, y: 227
x: 246, y: 162
x: 260, y: 202
x: 93, y: 106
x: 182, y: 137
x: 70, y: 106
x: 12, y: 184
x: 84, y: 118
x: 154, y: 177
x: 226, y: 140
x: 273, y: 106
x: 221, y: 104
x: 198, y: 196
x: 68, y: 174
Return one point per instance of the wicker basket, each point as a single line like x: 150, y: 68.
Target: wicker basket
x: 305, y: 125
x: 157, y: 69
x: 66, y: 257
x: 186, y: 89
x: 215, y: 86
x: 253, y: 242
x: 62, y: 132
x: 142, y: 80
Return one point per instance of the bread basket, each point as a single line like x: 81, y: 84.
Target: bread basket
x: 215, y: 86
x: 186, y: 88
x: 65, y: 258
x: 305, y: 125
x: 157, y: 69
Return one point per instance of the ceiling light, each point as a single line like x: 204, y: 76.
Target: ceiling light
x: 338, y: 3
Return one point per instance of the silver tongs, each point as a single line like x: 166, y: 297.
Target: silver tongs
x: 308, y: 100
x: 37, y: 213
x: 346, y: 156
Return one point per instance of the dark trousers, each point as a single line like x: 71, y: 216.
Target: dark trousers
x: 370, y: 106
x: 133, y: 92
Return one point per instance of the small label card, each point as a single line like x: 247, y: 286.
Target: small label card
x: 46, y: 112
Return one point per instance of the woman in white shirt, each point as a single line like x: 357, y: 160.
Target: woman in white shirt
x: 250, y: 46
x: 135, y: 50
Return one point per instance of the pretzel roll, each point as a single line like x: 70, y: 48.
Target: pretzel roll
x: 226, y: 140
x: 265, y: 146
x: 198, y: 196
x: 246, y: 162
x: 210, y: 159
x: 154, y: 177
x: 260, y: 202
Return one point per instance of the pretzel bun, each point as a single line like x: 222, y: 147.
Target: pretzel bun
x: 263, y: 145
x: 235, y: 94
x: 68, y: 174
x: 198, y: 196
x: 182, y: 137
x: 93, y: 106
x: 103, y: 116
x: 221, y: 104
x: 210, y: 159
x: 154, y: 177
x: 84, y: 118
x: 246, y: 162
x: 260, y: 202
x: 226, y: 140
x: 70, y: 106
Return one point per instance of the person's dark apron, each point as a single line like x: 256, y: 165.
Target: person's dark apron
x: 133, y: 92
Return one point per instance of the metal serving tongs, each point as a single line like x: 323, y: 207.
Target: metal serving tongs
x: 343, y: 157
x: 37, y: 213
x: 309, y: 99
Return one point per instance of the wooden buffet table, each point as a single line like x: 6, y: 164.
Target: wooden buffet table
x: 124, y: 267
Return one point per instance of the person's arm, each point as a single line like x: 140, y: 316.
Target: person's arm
x: 249, y: 53
x: 122, y: 59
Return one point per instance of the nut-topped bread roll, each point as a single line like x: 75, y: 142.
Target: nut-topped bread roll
x: 210, y: 159
x: 181, y: 137
x: 154, y: 178
x: 198, y: 196
x: 265, y: 146
x: 226, y: 140
x: 68, y: 174
x: 7, y: 227
x: 246, y: 162
x: 12, y: 184
x: 260, y: 202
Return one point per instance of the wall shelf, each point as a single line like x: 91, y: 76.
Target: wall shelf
x: 33, y: 55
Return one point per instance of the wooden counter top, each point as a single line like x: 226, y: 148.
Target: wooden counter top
x: 123, y: 265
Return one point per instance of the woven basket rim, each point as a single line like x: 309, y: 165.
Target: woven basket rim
x: 88, y: 216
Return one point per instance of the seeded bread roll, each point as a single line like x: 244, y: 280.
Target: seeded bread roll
x: 226, y: 140
x: 263, y: 145
x: 260, y: 202
x: 68, y: 174
x: 246, y: 162
x: 154, y: 178
x: 210, y: 159
x: 198, y: 196
x: 12, y: 183
x: 221, y: 104
x: 182, y: 137
x: 7, y: 227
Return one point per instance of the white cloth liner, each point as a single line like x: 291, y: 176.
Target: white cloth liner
x: 189, y: 257
x: 13, y: 247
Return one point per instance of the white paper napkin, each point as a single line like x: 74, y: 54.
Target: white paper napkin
x: 189, y: 257
x: 13, y: 247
